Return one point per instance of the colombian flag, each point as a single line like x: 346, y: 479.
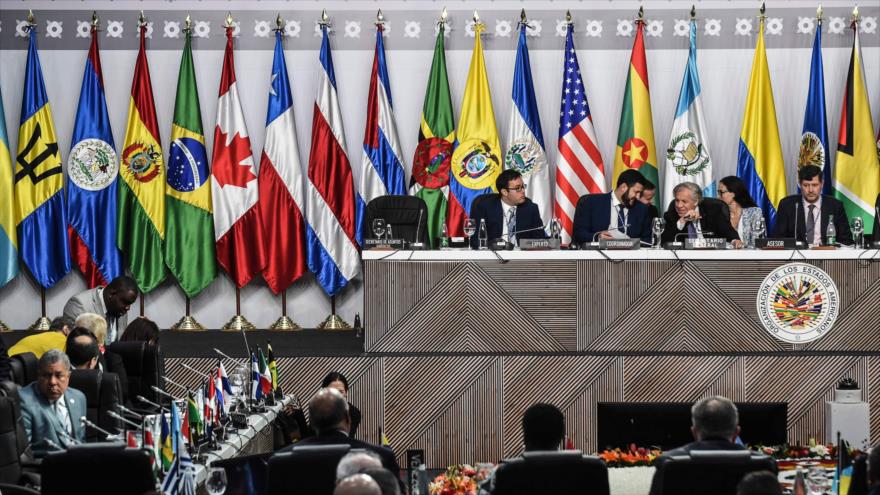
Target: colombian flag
x: 40, y: 212
x: 760, y: 163
x: 8, y: 239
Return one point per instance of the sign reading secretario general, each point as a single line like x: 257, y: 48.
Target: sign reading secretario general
x: 798, y: 303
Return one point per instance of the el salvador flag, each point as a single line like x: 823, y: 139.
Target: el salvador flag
x: 814, y: 138
x: 687, y: 157
x: 381, y: 167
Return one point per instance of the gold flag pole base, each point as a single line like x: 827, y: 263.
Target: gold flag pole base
x: 4, y: 328
x: 334, y: 322
x: 188, y: 324
x: 285, y: 323
x: 238, y: 323
x: 42, y: 323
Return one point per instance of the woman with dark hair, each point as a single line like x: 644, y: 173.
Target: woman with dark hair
x: 339, y: 382
x: 142, y: 329
x: 743, y: 209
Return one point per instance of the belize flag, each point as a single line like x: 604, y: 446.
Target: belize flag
x: 330, y: 198
x: 814, y: 137
x: 381, y: 170
x: 92, y: 170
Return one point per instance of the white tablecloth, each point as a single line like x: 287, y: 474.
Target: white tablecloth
x: 638, y: 254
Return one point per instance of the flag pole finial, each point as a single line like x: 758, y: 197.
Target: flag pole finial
x: 187, y: 24
x: 325, y: 19
x: 855, y: 14
x: 279, y: 22
x: 641, y: 13
x: 522, y: 16
x: 379, y: 17
x: 30, y: 19
x: 444, y: 16
x: 819, y: 13
x: 142, y: 19
x: 476, y: 17
x: 693, y: 12
x: 229, y: 21
x: 95, y: 20
x: 568, y: 17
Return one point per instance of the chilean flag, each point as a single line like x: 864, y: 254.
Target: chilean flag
x: 330, y: 198
x: 281, y: 184
x: 93, y: 168
x: 381, y: 167
x: 238, y: 227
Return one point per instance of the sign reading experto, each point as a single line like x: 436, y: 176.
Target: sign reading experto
x: 798, y: 303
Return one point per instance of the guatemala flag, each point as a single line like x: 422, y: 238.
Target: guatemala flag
x: 330, y: 198
x: 688, y: 158
x: 92, y: 168
x: 381, y: 167
x: 814, y: 138
x: 525, y: 141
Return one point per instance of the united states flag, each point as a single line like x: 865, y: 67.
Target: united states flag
x: 579, y: 170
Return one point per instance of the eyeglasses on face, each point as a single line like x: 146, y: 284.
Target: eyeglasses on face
x: 518, y: 188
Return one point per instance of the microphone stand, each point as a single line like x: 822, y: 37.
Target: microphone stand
x: 110, y: 436
x: 236, y: 363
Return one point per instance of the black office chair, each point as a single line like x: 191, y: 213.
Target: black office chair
x: 725, y: 210
x: 580, y: 209
x: 118, y: 470
x: 308, y: 469
x: 479, y: 199
x: 145, y: 367
x: 16, y: 461
x: 557, y: 472
x: 103, y: 394
x: 25, y: 367
x: 407, y: 215
x: 709, y: 472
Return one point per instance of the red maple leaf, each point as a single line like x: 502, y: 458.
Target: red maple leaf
x: 228, y: 157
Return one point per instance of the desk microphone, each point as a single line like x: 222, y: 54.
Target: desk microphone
x: 617, y: 229
x: 236, y: 363
x: 162, y: 392
x: 503, y: 242
x: 418, y: 244
x: 54, y: 445
x: 119, y: 417
x: 172, y: 382
x: 149, y: 402
x: 85, y: 422
x: 128, y: 411
x: 704, y: 234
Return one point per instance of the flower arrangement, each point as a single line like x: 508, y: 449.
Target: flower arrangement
x: 460, y: 479
x: 640, y: 456
x: 811, y: 451
x: 632, y: 456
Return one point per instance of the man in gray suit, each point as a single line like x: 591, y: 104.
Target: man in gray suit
x: 111, y: 302
x: 51, y: 411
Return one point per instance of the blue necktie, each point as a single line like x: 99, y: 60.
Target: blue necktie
x: 692, y: 231
x: 621, y: 220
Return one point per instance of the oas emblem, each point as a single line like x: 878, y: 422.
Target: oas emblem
x: 475, y: 164
x: 525, y: 157
x: 798, y: 303
x: 92, y: 164
x: 431, y: 163
x: 811, y: 151
x: 143, y: 161
x: 687, y: 155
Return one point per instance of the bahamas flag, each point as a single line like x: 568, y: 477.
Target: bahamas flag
x: 476, y: 161
x: 814, y: 138
x: 430, y: 170
x: 857, y: 172
x: 189, y: 233
x: 8, y: 239
x: 687, y: 157
x: 760, y: 163
x: 40, y: 212
x: 140, y: 223
x: 635, y: 136
x: 92, y: 168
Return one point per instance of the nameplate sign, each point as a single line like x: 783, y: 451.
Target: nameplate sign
x: 705, y: 243
x: 538, y: 244
x: 384, y: 244
x: 619, y: 244
x: 782, y: 243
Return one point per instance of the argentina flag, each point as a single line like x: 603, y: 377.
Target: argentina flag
x: 688, y: 158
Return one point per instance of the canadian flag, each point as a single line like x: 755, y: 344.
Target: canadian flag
x: 238, y: 228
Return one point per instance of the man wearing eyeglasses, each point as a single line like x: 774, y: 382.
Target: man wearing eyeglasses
x: 51, y: 411
x: 510, y: 215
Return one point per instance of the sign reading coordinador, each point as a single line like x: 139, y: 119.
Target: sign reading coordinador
x: 798, y: 303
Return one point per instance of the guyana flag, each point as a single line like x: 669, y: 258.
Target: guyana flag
x: 430, y: 175
x: 140, y: 229
x: 635, y: 136
x: 857, y: 170
x: 189, y: 235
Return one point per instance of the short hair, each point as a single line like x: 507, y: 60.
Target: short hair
x: 360, y: 484
x: 357, y: 462
x: 740, y: 193
x: 123, y: 283
x: 649, y: 186
x: 874, y: 465
x: 385, y: 479
x: 78, y: 352
x: 543, y: 427
x: 94, y: 322
x: 328, y: 409
x: 141, y: 329
x: 807, y: 172
x: 505, y: 177
x: 714, y: 417
x: 51, y: 357
x: 59, y: 322
x: 631, y: 177
x: 334, y: 376
x: 759, y: 483
x: 692, y: 187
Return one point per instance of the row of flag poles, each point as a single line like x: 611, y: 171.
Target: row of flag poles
x: 184, y: 217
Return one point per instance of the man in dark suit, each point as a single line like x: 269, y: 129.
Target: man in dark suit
x: 811, y: 210
x: 877, y: 219
x: 690, y: 216
x: 510, y: 215
x: 715, y: 426
x: 620, y: 210
x: 647, y: 199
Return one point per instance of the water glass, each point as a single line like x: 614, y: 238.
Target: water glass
x: 658, y: 225
x: 378, y: 227
x: 215, y: 483
x: 554, y: 228
x: 759, y: 230
x: 857, y: 226
x: 469, y: 228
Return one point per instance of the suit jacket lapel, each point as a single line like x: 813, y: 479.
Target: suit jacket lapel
x: 52, y: 416
x: 72, y: 406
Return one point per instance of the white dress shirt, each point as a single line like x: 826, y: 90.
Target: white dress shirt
x: 616, y: 207
x: 506, y: 211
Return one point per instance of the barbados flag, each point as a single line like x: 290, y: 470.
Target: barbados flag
x: 814, y: 138
x: 382, y: 164
x: 40, y: 212
x: 476, y: 161
x: 92, y: 169
x: 8, y: 239
x: 760, y: 163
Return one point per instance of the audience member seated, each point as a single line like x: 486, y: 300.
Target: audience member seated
x: 543, y: 427
x: 51, y: 411
x: 387, y: 482
x: 357, y: 462
x: 339, y: 382
x: 82, y: 349
x: 111, y: 302
x: 806, y: 214
x: 54, y: 338
x: 96, y: 324
x: 647, y: 199
x: 759, y: 483
x: 142, y: 329
x: 874, y: 470
x: 715, y: 426
x: 358, y: 484
x: 744, y: 212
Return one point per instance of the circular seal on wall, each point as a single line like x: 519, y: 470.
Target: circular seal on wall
x: 92, y: 164
x: 431, y: 163
x: 475, y: 164
x: 798, y: 303
x: 525, y: 157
